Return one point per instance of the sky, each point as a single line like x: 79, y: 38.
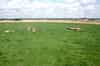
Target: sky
x: 49, y: 8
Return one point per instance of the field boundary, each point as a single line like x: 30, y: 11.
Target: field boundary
x: 51, y: 21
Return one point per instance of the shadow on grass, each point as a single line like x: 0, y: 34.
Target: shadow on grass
x: 3, y: 59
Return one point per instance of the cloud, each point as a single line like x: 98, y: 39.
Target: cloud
x: 48, y: 9
x: 97, y: 11
x: 88, y: 1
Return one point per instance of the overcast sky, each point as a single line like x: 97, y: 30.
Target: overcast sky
x: 49, y: 8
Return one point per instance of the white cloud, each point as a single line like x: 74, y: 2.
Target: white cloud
x: 43, y: 9
x: 97, y: 11
x: 88, y: 1
x: 70, y: 1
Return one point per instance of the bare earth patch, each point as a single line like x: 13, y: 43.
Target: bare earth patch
x: 53, y: 21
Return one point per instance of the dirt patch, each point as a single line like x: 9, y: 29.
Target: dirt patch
x: 52, y: 21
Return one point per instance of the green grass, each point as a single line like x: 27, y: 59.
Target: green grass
x: 51, y: 45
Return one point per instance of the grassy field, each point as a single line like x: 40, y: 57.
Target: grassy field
x: 51, y: 45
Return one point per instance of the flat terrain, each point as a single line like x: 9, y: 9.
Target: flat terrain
x: 53, y: 21
x: 51, y: 45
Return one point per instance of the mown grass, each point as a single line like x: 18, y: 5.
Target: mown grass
x: 51, y: 45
